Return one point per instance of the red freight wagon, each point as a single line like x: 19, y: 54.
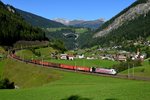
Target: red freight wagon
x: 67, y: 66
x: 53, y: 65
x: 33, y: 61
x: 86, y: 69
x: 12, y: 55
x: 45, y: 63
x: 36, y: 61
x: 41, y: 62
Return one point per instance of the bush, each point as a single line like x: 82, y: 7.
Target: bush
x: 59, y: 45
x: 6, y: 84
x: 125, y: 65
x: 75, y: 97
x: 34, y: 52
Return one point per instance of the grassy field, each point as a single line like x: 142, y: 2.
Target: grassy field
x: 77, y: 30
x: 148, y: 38
x: 54, y: 85
x: 1, y: 67
x: 81, y: 30
x: 142, y: 71
x: 45, y: 52
x: 28, y: 54
x: 27, y: 75
x: 2, y: 54
x: 2, y: 50
x: 85, y: 62
x: 69, y: 83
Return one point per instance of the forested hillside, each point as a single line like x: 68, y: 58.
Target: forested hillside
x: 129, y: 26
x: 72, y: 37
x: 14, y: 28
x: 39, y: 21
x: 106, y: 24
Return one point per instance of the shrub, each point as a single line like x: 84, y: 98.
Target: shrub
x: 125, y: 65
x: 35, y: 52
x: 75, y: 97
x: 6, y: 84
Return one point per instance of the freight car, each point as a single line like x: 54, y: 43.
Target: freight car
x: 69, y: 67
x: 86, y: 69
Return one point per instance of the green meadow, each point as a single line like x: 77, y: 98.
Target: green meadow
x: 141, y: 71
x: 26, y: 75
x: 39, y: 83
x: 1, y: 68
x: 28, y: 54
x: 45, y: 54
x: 86, y: 62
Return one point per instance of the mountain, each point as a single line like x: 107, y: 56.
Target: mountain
x: 63, y: 21
x: 39, y: 21
x: 131, y: 24
x: 76, y: 22
x: 139, y: 8
x: 13, y: 28
x: 94, y: 24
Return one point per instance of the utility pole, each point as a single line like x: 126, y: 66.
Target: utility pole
x: 75, y: 66
x: 133, y: 71
x: 42, y: 60
x: 128, y: 71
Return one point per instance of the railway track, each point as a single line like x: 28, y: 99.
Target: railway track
x: 130, y: 77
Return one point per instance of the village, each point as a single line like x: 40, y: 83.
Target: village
x: 121, y: 56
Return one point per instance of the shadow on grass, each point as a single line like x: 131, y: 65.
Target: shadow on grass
x: 76, y: 97
x: 111, y: 99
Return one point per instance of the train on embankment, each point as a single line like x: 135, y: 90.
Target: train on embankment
x: 68, y: 67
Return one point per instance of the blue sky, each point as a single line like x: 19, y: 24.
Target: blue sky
x: 72, y: 9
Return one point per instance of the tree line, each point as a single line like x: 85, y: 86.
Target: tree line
x: 133, y: 30
x: 14, y: 28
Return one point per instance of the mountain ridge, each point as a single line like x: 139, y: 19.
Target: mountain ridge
x: 129, y: 26
x: 13, y: 28
x: 39, y: 21
x: 94, y: 24
x: 130, y: 14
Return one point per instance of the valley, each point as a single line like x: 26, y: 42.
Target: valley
x: 70, y: 83
x: 74, y: 59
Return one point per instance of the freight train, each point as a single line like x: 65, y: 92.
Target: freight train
x: 69, y: 67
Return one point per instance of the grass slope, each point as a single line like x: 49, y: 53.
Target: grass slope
x: 85, y: 62
x: 27, y: 75
x: 142, y: 71
x: 90, y: 86
x: 28, y: 54
x: 94, y: 87
x: 1, y: 68
x: 45, y: 52
x: 2, y: 50
x: 148, y: 38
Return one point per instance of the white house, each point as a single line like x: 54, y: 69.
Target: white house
x: 66, y: 57
x: 63, y: 56
x: 70, y: 57
x: 81, y: 56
